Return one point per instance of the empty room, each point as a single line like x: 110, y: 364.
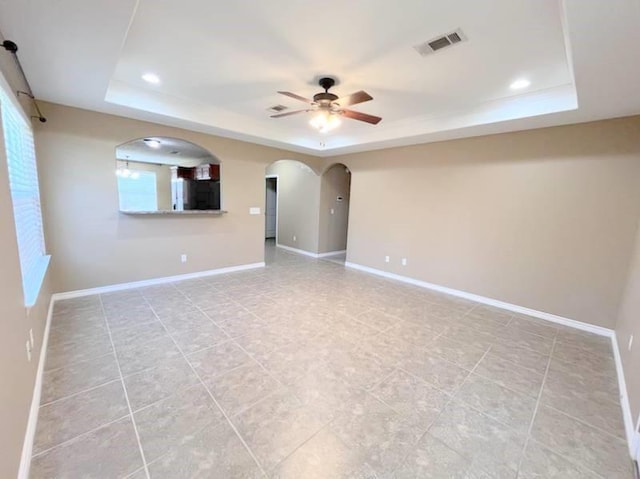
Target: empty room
x: 337, y: 240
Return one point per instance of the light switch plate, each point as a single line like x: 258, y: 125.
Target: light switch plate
x: 254, y: 210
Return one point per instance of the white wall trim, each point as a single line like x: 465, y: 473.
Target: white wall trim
x: 154, y: 281
x: 629, y: 427
x: 592, y: 328
x: 299, y: 251
x: 331, y: 253
x: 32, y: 421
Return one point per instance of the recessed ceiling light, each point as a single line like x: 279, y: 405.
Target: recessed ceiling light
x: 152, y: 143
x: 151, y: 78
x: 520, y: 84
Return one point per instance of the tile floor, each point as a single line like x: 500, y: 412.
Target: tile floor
x: 304, y: 369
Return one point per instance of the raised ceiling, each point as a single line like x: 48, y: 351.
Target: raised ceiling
x: 221, y: 64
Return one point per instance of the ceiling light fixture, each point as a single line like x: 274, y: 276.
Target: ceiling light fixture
x: 520, y: 84
x: 325, y: 121
x: 151, y: 78
x: 150, y: 142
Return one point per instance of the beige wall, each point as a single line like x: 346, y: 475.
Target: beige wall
x: 543, y: 219
x: 17, y: 375
x: 336, y: 181
x: 94, y: 245
x: 629, y: 325
x: 298, y: 204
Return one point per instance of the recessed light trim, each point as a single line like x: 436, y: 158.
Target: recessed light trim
x: 151, y: 78
x: 520, y: 84
x: 150, y: 142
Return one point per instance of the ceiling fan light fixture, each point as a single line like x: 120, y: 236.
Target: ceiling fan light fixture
x: 325, y: 121
x: 150, y: 142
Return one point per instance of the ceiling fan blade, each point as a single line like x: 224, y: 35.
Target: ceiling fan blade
x: 294, y: 96
x: 356, y: 115
x: 354, y: 98
x: 280, y: 115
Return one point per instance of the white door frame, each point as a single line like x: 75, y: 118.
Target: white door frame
x: 277, y: 178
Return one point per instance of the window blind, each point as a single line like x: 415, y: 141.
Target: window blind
x: 138, y: 191
x: 25, y: 196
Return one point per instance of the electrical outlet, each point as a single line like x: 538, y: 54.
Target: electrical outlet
x: 404, y: 261
x: 31, y: 337
x: 386, y: 259
x: 28, y: 351
x: 332, y: 211
x: 630, y: 342
x: 183, y: 258
x: 294, y: 238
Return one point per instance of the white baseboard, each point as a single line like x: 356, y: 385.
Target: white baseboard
x: 296, y: 250
x: 592, y: 328
x: 32, y: 421
x: 629, y: 426
x: 331, y: 253
x: 154, y: 281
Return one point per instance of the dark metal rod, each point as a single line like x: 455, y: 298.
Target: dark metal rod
x: 11, y: 47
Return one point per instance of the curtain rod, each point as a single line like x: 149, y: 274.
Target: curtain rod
x: 11, y: 47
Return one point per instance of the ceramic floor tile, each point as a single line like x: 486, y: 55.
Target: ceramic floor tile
x: 215, y: 451
x: 218, y: 359
x: 172, y: 422
x: 67, y: 418
x: 582, y: 444
x: 138, y: 335
x: 366, y: 422
x: 157, y: 383
x: 510, y: 375
x: 492, y: 445
x: 199, y: 337
x: 432, y: 459
x: 464, y: 355
x: 324, y: 456
x: 509, y: 407
x: 522, y: 357
x: 276, y: 426
x: 108, y: 452
x: 138, y: 357
x: 242, y: 387
x: 534, y: 325
x: 585, y: 400
x: 67, y: 353
x: 539, y: 462
x: 437, y: 371
x: 411, y: 397
x: 64, y: 381
x: 325, y: 372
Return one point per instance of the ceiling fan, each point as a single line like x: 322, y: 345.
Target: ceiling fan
x: 330, y: 107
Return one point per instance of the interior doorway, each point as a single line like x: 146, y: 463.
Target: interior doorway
x: 271, y: 208
x: 335, y: 193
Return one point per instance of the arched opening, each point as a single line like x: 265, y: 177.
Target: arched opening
x: 163, y: 174
x: 335, y: 192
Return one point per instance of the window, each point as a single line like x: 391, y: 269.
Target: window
x: 137, y: 190
x: 25, y: 196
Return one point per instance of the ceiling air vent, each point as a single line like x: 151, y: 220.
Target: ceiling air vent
x: 277, y: 108
x: 440, y: 42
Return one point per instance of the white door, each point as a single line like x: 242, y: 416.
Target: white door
x: 271, y: 209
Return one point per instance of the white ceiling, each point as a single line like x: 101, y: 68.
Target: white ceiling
x: 221, y: 63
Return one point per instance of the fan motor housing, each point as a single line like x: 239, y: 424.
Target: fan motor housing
x: 324, y: 98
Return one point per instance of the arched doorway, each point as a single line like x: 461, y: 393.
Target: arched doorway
x: 335, y: 190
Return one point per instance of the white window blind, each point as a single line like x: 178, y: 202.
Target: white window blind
x: 25, y: 196
x: 138, y: 191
